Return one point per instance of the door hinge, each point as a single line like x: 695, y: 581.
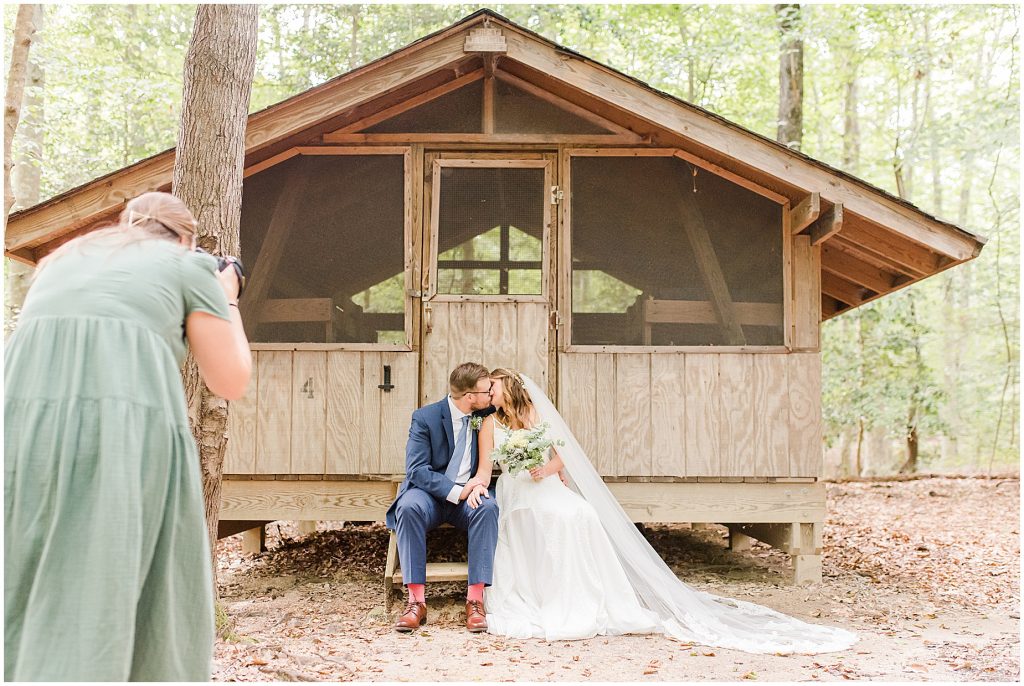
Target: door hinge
x: 554, y: 320
x: 556, y: 195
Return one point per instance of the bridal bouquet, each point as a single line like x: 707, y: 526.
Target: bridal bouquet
x: 524, y: 449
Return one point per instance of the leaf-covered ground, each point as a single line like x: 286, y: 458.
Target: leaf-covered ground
x: 926, y: 571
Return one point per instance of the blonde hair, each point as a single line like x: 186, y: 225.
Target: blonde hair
x: 153, y: 215
x: 516, y: 412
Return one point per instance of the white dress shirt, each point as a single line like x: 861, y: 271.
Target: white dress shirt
x: 467, y: 459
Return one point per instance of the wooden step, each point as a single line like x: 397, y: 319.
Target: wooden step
x: 439, y: 571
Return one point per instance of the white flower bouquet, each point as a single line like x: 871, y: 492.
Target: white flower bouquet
x: 524, y: 449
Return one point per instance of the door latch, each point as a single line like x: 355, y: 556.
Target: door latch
x: 387, y: 385
x: 556, y: 195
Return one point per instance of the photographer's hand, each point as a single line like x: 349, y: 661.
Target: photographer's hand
x: 229, y: 282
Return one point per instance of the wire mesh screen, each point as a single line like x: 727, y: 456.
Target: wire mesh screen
x: 516, y: 111
x: 490, y: 231
x: 460, y: 111
x: 335, y: 256
x: 664, y: 253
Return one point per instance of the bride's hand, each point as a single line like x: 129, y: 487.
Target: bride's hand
x: 474, y: 498
x: 539, y: 473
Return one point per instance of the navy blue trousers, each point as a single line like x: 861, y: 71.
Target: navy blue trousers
x: 418, y: 512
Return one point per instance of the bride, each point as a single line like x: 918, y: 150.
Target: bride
x: 570, y: 564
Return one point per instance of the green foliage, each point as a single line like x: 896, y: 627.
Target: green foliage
x: 936, y: 103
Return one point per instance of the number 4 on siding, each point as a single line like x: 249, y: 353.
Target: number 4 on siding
x: 308, y: 387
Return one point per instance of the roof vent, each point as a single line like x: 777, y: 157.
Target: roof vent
x: 485, y: 40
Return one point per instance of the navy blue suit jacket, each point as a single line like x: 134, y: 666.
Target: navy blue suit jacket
x: 429, y: 451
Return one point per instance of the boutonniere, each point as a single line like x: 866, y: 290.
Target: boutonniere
x: 476, y: 422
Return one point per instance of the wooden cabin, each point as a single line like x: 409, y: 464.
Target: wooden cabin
x: 485, y: 194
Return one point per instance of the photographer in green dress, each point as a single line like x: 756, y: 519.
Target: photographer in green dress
x: 106, y: 560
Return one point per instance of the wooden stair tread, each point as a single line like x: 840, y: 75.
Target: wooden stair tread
x: 439, y: 571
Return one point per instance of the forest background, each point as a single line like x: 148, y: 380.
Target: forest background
x: 920, y: 100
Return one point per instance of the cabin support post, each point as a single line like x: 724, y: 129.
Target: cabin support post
x: 801, y: 540
x: 254, y: 541
x: 739, y: 541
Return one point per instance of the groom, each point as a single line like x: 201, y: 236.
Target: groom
x: 440, y: 459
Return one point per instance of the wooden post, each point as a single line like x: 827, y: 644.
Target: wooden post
x: 254, y: 541
x: 307, y: 527
x: 739, y: 541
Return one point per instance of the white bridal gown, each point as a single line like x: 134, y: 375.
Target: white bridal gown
x: 570, y: 563
x: 556, y: 575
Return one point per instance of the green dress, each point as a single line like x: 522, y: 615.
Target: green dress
x: 106, y: 559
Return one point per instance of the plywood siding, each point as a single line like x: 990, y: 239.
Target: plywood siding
x: 695, y: 414
x: 321, y: 412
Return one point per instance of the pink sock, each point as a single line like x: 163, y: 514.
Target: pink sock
x: 416, y: 592
x: 475, y: 592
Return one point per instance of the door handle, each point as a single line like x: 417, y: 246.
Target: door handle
x: 428, y: 319
x: 387, y: 385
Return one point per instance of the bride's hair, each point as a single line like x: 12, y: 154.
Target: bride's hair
x: 516, y: 412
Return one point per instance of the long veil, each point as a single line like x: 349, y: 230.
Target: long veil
x: 686, y: 614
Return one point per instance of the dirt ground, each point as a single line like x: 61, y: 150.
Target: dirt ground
x: 926, y: 571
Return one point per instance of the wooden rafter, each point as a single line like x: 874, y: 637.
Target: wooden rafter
x: 805, y: 213
x: 857, y: 271
x: 905, y: 256
x: 842, y: 290
x: 827, y: 225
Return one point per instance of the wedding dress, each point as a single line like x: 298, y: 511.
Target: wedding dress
x: 570, y: 563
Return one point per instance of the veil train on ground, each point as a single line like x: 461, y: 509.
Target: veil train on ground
x: 686, y: 614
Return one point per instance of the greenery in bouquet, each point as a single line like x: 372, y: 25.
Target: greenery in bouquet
x: 524, y: 449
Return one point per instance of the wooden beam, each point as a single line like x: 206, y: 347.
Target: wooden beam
x: 563, y: 104
x: 805, y: 212
x: 701, y: 312
x: 708, y: 264
x: 872, y: 257
x: 751, y: 149
x: 857, y: 271
x: 913, y: 259
x: 278, y: 229
x: 296, y: 310
x: 841, y: 289
x: 827, y: 225
x: 518, y: 138
x: 487, y: 107
x: 411, y: 103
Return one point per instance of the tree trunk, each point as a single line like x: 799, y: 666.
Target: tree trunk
x: 851, y: 126
x: 24, y: 32
x: 24, y: 180
x: 219, y: 70
x: 791, y: 77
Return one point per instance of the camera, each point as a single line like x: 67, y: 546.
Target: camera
x: 224, y: 262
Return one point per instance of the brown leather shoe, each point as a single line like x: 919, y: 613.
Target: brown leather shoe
x: 476, y: 616
x: 414, y: 617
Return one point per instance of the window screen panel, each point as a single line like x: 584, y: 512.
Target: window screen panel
x: 516, y: 111
x: 490, y: 231
x: 339, y: 277
x: 652, y: 242
x: 460, y: 111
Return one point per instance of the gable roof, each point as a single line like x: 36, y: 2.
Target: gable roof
x: 873, y: 242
